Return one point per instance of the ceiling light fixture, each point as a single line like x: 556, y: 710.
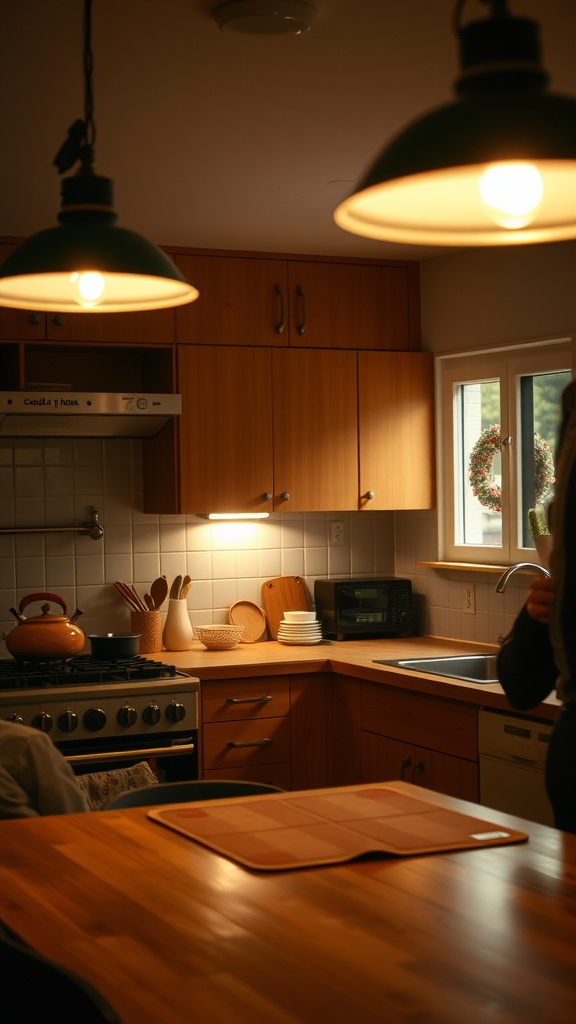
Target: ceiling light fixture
x: 495, y: 167
x: 265, y: 17
x: 87, y: 264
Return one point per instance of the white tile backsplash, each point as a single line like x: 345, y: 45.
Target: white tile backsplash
x: 56, y: 483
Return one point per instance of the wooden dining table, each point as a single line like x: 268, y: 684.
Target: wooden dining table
x: 172, y: 932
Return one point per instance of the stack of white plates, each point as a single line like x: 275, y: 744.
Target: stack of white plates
x: 299, y: 628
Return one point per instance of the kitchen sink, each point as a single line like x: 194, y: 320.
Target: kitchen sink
x: 471, y: 668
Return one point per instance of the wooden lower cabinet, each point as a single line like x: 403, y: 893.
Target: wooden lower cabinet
x: 381, y: 733
x: 385, y: 759
x: 267, y: 729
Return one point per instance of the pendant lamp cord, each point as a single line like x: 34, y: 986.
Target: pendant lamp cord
x: 79, y: 146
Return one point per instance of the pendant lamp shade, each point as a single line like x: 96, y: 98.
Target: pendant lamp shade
x: 87, y: 264
x: 495, y: 167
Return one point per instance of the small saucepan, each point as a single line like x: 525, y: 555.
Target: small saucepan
x: 114, y: 645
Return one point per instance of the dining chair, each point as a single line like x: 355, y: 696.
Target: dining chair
x: 35, y: 989
x: 182, y: 792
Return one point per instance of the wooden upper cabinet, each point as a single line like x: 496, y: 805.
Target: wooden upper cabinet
x: 396, y: 430
x: 243, y: 301
x: 341, y: 305
x: 154, y: 327
x: 225, y: 429
x: 318, y: 303
x: 315, y: 430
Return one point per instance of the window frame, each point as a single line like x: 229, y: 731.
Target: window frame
x: 507, y: 364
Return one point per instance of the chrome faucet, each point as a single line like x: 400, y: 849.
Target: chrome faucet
x: 503, y: 581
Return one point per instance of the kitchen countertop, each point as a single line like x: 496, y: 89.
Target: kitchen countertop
x: 170, y: 931
x: 353, y: 658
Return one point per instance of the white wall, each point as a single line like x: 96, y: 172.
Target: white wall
x: 55, y: 483
x: 470, y: 300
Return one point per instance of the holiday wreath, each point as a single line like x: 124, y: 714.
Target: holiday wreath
x: 483, y: 484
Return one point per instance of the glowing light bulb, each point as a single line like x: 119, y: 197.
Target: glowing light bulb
x: 89, y: 287
x: 512, y: 193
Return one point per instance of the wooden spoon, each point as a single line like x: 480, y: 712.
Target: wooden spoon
x: 159, y: 591
x: 186, y: 584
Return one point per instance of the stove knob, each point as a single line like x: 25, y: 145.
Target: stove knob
x: 67, y: 721
x: 175, y: 712
x: 94, y: 719
x: 42, y: 721
x: 151, y: 714
x: 15, y: 718
x: 126, y: 716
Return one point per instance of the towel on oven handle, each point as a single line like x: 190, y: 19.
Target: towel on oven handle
x: 101, y: 787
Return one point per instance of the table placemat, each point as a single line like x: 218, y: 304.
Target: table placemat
x: 329, y: 826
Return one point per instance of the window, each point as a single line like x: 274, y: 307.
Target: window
x: 499, y: 419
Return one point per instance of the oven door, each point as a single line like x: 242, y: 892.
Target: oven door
x: 172, y: 757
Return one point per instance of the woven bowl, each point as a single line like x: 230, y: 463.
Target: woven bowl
x: 219, y: 637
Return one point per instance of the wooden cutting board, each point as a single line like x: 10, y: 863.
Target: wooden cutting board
x: 283, y: 594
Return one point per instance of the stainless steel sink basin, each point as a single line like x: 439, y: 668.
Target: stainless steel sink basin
x: 471, y: 668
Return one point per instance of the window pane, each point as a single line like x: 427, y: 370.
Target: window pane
x: 478, y: 512
x: 540, y: 408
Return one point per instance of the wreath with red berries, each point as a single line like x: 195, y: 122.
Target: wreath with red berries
x: 485, y: 488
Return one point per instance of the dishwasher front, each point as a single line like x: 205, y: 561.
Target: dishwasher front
x: 512, y: 758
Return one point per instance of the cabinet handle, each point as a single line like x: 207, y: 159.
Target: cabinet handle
x: 34, y: 318
x: 248, y: 700
x: 267, y: 496
x: 58, y: 319
x: 369, y: 495
x: 256, y: 743
x: 420, y: 766
x: 285, y: 496
x: 301, y: 327
x: 282, y: 321
x: 406, y: 763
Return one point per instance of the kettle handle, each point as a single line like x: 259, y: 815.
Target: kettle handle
x: 39, y: 597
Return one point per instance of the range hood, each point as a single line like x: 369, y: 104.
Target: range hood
x: 52, y: 413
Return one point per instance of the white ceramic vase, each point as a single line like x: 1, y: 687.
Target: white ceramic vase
x: 178, y: 633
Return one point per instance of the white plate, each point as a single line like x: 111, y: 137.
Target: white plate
x: 297, y: 633
x: 300, y: 643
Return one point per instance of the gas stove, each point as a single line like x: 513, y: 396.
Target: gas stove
x: 80, y: 671
x: 94, y: 710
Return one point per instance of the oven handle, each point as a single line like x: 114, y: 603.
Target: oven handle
x: 131, y: 755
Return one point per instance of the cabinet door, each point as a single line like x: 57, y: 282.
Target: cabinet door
x: 340, y: 305
x: 446, y: 774
x: 243, y: 301
x: 225, y: 461
x: 386, y: 760
x: 396, y: 430
x: 155, y: 327
x: 315, y: 430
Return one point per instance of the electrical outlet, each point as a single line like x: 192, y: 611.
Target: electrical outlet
x: 336, y: 533
x: 470, y: 599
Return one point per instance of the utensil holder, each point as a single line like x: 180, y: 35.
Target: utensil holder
x: 178, y: 634
x: 149, y: 625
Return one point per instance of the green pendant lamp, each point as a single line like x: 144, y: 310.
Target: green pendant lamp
x: 495, y: 167
x: 88, y: 264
